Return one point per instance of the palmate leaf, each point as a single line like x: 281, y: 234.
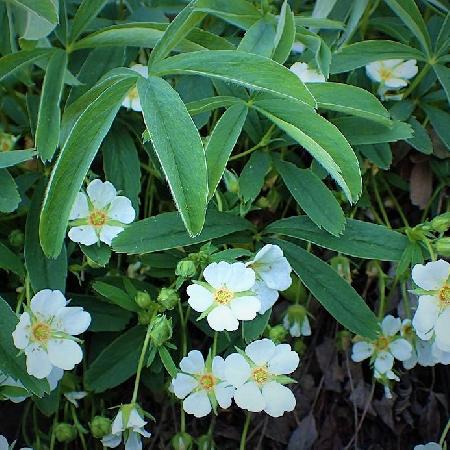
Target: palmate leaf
x: 15, y: 61
x: 43, y: 8
x: 76, y: 156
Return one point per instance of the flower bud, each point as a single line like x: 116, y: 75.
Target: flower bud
x: 231, y: 181
x: 186, y: 269
x: 296, y: 321
x: 168, y: 298
x: 7, y: 141
x: 161, y: 330
x: 64, y: 432
x: 343, y: 340
x: 341, y: 265
x: 296, y: 291
x: 100, y: 427
x: 205, y: 442
x: 182, y: 441
x: 277, y: 334
x: 143, y: 299
x: 443, y: 246
x: 16, y: 238
x: 299, y: 346
x: 144, y: 317
x: 441, y: 223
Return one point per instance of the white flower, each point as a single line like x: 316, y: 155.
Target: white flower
x: 296, y: 321
x: 298, y: 47
x: 306, y: 74
x: 45, y: 333
x: 225, y: 298
x: 74, y: 396
x: 273, y: 274
x: 432, y: 317
x: 385, y: 349
x: 100, y: 215
x: 429, y: 446
x: 129, y: 426
x: 5, y: 446
x: 131, y: 100
x: 200, y: 386
x: 259, y: 377
x: 392, y: 73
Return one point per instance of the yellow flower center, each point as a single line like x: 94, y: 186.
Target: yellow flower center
x: 207, y: 381
x: 97, y: 218
x: 382, y: 343
x: 133, y: 93
x: 385, y: 73
x: 260, y: 375
x: 444, y: 295
x: 41, y: 332
x: 223, y: 296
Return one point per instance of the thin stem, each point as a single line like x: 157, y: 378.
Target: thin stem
x: 140, y: 365
x: 248, y: 419
x: 406, y: 300
x: 396, y: 204
x: 262, y: 143
x: 380, y: 202
x: 417, y: 80
x: 214, y: 347
x: 444, y: 434
x: 78, y: 427
x: 430, y: 250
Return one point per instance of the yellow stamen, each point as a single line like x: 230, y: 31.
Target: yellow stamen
x: 41, y: 332
x: 382, y: 343
x: 223, y: 296
x: 207, y: 381
x: 97, y: 218
x: 444, y: 295
x: 385, y: 73
x: 260, y: 375
x: 133, y: 93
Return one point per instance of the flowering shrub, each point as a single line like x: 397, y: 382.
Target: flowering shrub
x: 214, y: 209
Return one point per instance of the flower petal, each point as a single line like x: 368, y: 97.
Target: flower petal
x: 362, y: 350
x: 216, y: 274
x: 80, y: 208
x: 109, y: 232
x: 401, y: 349
x: 442, y: 331
x: 84, y: 234
x: 221, y: 318
x: 112, y: 440
x: 38, y: 362
x: 47, y: 303
x: 383, y: 362
x: 237, y: 370
x: 54, y: 376
x: 200, y: 299
x: 249, y: 397
x: 183, y: 385
x: 391, y: 325
x: 240, y: 278
x: 64, y: 353
x: 395, y: 83
x: 431, y: 276
x: 218, y: 367
x: 100, y: 193
x: 140, y: 69
x: 117, y: 425
x: 122, y: 210
x: 197, y: 404
x: 279, y: 399
x: 135, y: 420
x: 284, y: 361
x: 193, y: 363
x: 373, y: 71
x: 260, y: 351
x: 74, y: 320
x: 406, y: 70
x: 133, y: 442
x: 266, y: 295
x: 224, y: 393
x: 245, y: 308
x: 425, y: 317
x: 21, y: 335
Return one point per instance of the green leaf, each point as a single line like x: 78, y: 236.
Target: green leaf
x: 179, y: 149
x: 443, y: 74
x: 253, y: 329
x: 11, y: 262
x: 121, y: 163
x: 313, y: 197
x: 411, y: 16
x: 221, y: 143
x: 166, y: 231
x: 285, y: 35
x: 350, y: 100
x: 11, y: 363
x: 183, y: 23
x: 360, y: 239
x: 379, y: 154
x: 13, y: 157
x: 74, y: 161
x: 10, y: 197
x: 211, y: 103
x: 358, y: 130
x: 15, y: 61
x: 252, y: 71
x: 44, y: 273
x: 43, y: 8
x: 117, y: 362
x: 86, y: 13
x: 251, y: 179
x: 99, y: 254
x: 116, y: 295
x: 421, y: 141
x: 319, y: 137
x: 260, y: 38
x: 332, y: 291
x: 440, y: 120
x: 362, y: 53
x: 167, y: 360
x: 49, y: 116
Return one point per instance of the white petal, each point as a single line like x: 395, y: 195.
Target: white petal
x: 183, y: 385
x: 249, y: 397
x: 221, y: 318
x: 391, y: 325
x: 135, y: 104
x: 284, y: 361
x: 122, y: 210
x: 406, y: 70
x: 395, y: 83
x: 245, y: 308
x: 383, y: 362
x: 442, y: 330
x: 133, y: 442
x: 80, y: 208
x: 425, y: 317
x: 411, y: 362
x: 100, y: 193
x: 218, y: 367
x: 439, y: 356
x: 401, y: 349
x: 224, y: 393
x: 21, y: 335
x: 64, y: 353
x: 84, y: 234
x: 135, y: 420
x: 425, y: 356
x: 431, y: 276
x: 38, y: 363
x: 373, y: 71
x: 3, y: 443
x: 216, y: 274
x: 240, y: 278
x: 197, y: 404
x: 112, y: 440
x: 260, y: 351
x: 267, y: 296
x: 200, y: 299
x: 193, y: 363
x: 109, y: 232
x: 362, y: 350
x: 140, y: 69
x: 306, y: 327
x: 298, y: 47
x: 47, y: 303
x: 117, y: 425
x: 237, y: 369
x: 279, y: 399
x: 53, y: 378
x: 74, y: 320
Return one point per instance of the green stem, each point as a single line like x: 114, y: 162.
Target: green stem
x: 78, y: 427
x: 444, y: 434
x: 262, y: 143
x: 380, y: 202
x: 430, y: 249
x: 396, y: 203
x: 214, y: 347
x: 140, y: 365
x: 248, y: 419
x: 406, y: 300
x: 417, y: 80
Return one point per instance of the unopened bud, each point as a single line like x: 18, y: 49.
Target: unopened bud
x: 296, y: 321
x: 168, y: 298
x: 182, y: 441
x: 341, y: 265
x: 143, y: 299
x: 299, y: 346
x: 231, y: 181
x: 441, y: 223
x: 277, y: 334
x: 16, y: 238
x: 144, y: 317
x: 64, y: 432
x: 7, y: 141
x: 186, y: 269
x: 443, y: 246
x: 161, y: 330
x: 100, y: 427
x: 205, y: 442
